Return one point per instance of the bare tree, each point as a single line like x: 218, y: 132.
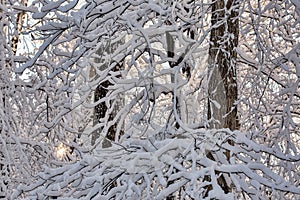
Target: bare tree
x: 245, y: 145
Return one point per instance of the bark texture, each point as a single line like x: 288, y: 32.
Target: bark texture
x: 223, y: 91
x: 18, y: 26
x: 222, y: 65
x: 102, y: 110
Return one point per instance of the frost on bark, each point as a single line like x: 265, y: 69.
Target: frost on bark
x: 186, y: 69
x: 102, y: 109
x: 222, y: 111
x: 171, y: 53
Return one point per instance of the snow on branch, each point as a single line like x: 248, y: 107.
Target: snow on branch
x: 150, y: 59
x: 173, y: 166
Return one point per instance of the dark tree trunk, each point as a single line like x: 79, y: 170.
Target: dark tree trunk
x: 185, y: 70
x: 18, y: 25
x: 171, y: 54
x: 223, y: 91
x: 101, y: 109
x: 222, y: 65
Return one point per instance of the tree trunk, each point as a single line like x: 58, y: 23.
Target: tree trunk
x: 18, y: 26
x: 223, y: 93
x: 101, y: 109
x: 171, y: 54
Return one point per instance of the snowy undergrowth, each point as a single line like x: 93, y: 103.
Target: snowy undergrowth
x: 180, y: 166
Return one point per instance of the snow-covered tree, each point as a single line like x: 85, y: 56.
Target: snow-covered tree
x: 28, y: 103
x: 209, y: 93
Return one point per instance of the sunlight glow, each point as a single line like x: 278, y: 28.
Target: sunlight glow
x: 61, y: 151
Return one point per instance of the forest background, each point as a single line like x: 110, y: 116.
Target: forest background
x: 147, y: 99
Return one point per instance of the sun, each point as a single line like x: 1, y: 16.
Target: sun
x: 61, y: 151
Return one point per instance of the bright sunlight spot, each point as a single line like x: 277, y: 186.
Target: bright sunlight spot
x: 61, y: 151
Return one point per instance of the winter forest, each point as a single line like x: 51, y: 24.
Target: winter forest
x: 150, y: 99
